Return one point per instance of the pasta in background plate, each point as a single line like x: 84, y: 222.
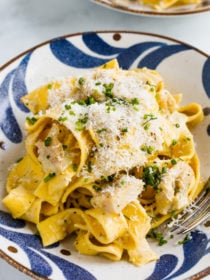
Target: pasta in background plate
x: 159, y: 4
x: 109, y: 155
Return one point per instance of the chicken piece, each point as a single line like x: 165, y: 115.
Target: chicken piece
x: 174, y: 188
x: 51, y: 153
x: 114, y: 197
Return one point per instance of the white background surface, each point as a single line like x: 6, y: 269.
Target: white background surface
x: 25, y: 23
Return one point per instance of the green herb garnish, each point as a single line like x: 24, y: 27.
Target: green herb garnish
x: 185, y: 240
x: 67, y: 106
x: 157, y: 236
x: 19, y: 160
x: 97, y: 188
x: 81, y: 81
x: 75, y: 167
x: 134, y: 101
x: 48, y: 141
x: 108, y: 178
x: 148, y: 118
x: 80, y: 123
x: 124, y: 130
x: 49, y: 177
x: 173, y: 161
x: 174, y: 142
x: 89, y: 166
x: 177, y: 125
x: 108, y: 90
x: 64, y: 147
x: 152, y: 176
x: 90, y: 100
x: 62, y: 119
x: 148, y: 149
x: 31, y: 120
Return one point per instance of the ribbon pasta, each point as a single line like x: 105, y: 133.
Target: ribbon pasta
x: 109, y: 155
x: 159, y: 5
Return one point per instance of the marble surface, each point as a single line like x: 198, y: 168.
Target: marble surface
x: 25, y: 23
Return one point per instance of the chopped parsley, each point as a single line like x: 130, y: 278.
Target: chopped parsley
x: 31, y: 120
x: 71, y: 113
x: 108, y: 90
x: 186, y: 139
x: 148, y: 149
x: 152, y: 176
x: 157, y: 236
x: 177, y: 125
x: 110, y: 107
x: 62, y: 119
x: 49, y: 177
x: 75, y: 167
x: 148, y: 118
x: 135, y: 108
x: 108, y: 178
x: 67, y: 106
x: 134, y: 101
x: 173, y: 161
x: 89, y: 166
x: 81, y: 81
x: 174, y: 142
x: 48, y: 141
x: 80, y: 123
x: 95, y: 92
x: 81, y: 102
x: 90, y: 100
x: 101, y: 130
x: 164, y: 170
x: 97, y: 188
x: 152, y: 86
x: 173, y: 213
x: 64, y: 147
x: 124, y: 130
x: 19, y: 160
x: 185, y: 240
x: 146, y: 126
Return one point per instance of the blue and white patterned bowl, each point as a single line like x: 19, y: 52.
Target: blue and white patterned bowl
x: 184, y: 68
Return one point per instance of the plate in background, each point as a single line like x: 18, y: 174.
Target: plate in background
x: 184, y: 68
x: 141, y: 9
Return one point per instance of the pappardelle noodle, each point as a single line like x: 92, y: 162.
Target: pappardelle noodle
x: 109, y: 155
x: 159, y: 5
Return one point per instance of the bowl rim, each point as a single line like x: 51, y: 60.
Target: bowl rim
x: 66, y: 36
x: 20, y: 267
x: 125, y: 9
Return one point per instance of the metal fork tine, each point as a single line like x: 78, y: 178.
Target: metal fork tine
x: 200, y: 211
x: 201, y: 219
x: 192, y: 223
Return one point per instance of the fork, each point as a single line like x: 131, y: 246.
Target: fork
x: 197, y: 213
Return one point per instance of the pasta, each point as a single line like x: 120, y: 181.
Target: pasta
x: 109, y: 155
x: 160, y: 4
